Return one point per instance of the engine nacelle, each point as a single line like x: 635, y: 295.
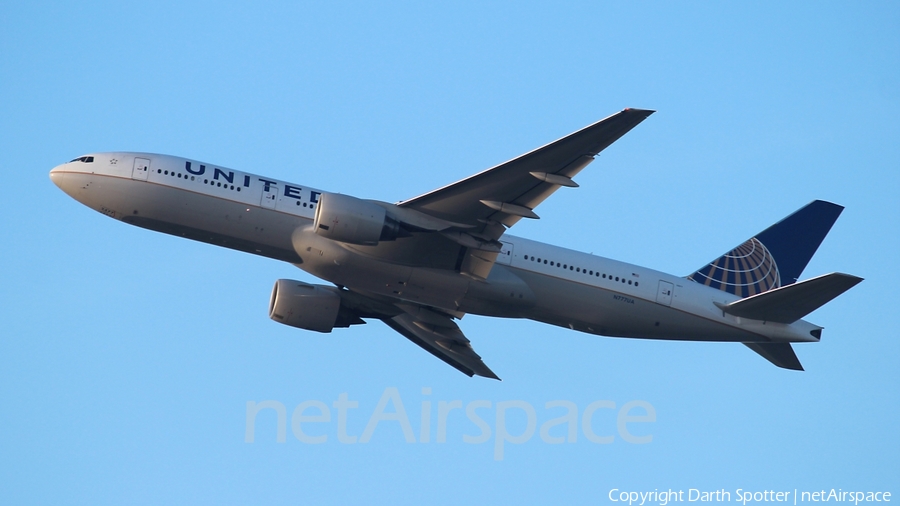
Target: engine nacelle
x: 305, y: 306
x: 349, y: 219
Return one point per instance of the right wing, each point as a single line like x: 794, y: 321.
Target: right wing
x: 477, y: 210
x: 474, y: 213
x: 510, y: 191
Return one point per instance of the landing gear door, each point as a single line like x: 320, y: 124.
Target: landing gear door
x: 664, y: 295
x: 506, y: 253
x: 141, y: 169
x: 269, y: 196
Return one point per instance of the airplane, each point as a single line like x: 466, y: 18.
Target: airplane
x: 419, y: 265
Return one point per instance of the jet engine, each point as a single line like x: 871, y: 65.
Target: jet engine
x: 305, y: 306
x: 348, y: 219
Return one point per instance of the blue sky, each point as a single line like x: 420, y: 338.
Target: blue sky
x: 129, y: 356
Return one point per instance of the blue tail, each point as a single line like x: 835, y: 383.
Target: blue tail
x: 775, y: 257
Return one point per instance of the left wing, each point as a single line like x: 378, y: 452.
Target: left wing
x: 432, y: 329
x: 439, y: 335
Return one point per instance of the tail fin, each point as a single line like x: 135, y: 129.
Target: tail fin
x: 775, y: 257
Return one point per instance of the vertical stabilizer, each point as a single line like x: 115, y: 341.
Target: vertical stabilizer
x: 775, y: 257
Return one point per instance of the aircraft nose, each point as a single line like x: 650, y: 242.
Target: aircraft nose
x: 57, y: 175
x: 62, y: 177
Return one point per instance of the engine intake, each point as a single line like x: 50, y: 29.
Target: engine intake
x: 304, y: 306
x: 348, y: 219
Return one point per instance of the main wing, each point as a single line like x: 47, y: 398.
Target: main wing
x: 480, y: 208
x: 474, y: 213
x: 432, y: 329
x: 504, y: 194
x: 440, y: 336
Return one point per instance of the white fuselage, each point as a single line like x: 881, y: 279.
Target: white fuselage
x: 273, y: 218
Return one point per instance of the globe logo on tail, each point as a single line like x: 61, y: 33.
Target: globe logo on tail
x: 746, y: 270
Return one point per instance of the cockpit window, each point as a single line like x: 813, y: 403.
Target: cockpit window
x: 84, y: 159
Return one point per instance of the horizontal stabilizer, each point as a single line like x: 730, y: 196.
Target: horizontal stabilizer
x: 780, y: 354
x: 792, y: 302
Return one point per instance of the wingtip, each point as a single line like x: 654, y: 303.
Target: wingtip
x: 646, y: 112
x: 485, y: 372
